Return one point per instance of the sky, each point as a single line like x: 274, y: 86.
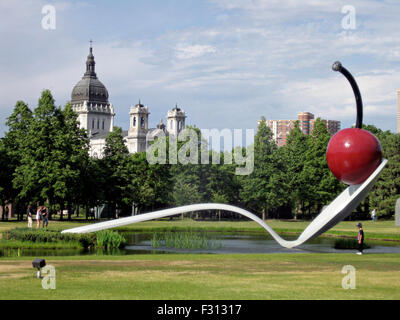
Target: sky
x: 227, y: 63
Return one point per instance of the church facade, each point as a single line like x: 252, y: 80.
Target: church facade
x: 90, y: 100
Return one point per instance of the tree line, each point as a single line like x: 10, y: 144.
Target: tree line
x: 44, y: 159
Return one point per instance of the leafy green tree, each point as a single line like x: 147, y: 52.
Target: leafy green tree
x: 54, y: 151
x: 72, y: 145
x: 18, y: 126
x: 294, y: 154
x: 322, y: 184
x: 5, y: 174
x: 37, y: 174
x: 114, y: 166
x: 149, y: 184
x: 223, y: 186
x: 386, y: 191
x: 258, y: 189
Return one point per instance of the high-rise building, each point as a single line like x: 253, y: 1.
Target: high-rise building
x: 305, y: 124
x: 281, y: 128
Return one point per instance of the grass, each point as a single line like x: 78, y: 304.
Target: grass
x: 380, y: 230
x: 110, y: 239
x: 17, y: 244
x: 202, y: 277
x: 184, y: 240
x: 45, y: 238
x: 28, y: 238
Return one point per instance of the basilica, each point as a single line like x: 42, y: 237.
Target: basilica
x: 90, y: 100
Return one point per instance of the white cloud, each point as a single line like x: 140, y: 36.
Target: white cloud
x: 193, y: 51
x: 269, y: 58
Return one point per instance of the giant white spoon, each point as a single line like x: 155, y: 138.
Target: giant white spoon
x: 338, y: 210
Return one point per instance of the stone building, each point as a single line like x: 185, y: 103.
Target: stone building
x: 90, y: 100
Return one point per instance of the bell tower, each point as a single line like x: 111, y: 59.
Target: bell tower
x: 175, y: 121
x: 138, y: 128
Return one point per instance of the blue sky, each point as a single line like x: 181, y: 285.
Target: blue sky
x: 225, y: 62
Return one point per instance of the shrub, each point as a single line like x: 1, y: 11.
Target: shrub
x: 44, y: 236
x: 184, y: 240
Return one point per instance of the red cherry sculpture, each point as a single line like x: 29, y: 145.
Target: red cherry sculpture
x: 353, y: 154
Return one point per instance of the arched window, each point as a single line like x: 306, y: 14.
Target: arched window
x: 142, y: 122
x: 134, y: 121
x: 98, y: 124
x: 93, y: 124
x: 171, y: 124
x: 102, y: 126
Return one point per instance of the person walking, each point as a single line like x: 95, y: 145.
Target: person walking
x: 45, y: 217
x: 5, y: 213
x: 373, y: 215
x: 29, y: 214
x: 360, y: 238
x: 38, y: 217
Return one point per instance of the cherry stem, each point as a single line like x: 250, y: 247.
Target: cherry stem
x: 337, y: 66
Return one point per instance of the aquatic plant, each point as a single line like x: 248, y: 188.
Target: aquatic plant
x: 184, y: 240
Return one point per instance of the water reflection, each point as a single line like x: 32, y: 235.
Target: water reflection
x: 140, y: 243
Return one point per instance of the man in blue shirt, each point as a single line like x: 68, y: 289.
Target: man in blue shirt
x: 360, y: 238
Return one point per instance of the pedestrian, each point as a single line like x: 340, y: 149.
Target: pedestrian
x: 3, y: 213
x: 360, y: 238
x: 29, y: 214
x: 373, y: 215
x: 7, y: 211
x: 45, y: 216
x: 38, y: 217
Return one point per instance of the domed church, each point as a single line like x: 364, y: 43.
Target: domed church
x: 90, y: 100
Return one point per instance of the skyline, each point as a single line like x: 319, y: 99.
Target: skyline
x: 227, y: 63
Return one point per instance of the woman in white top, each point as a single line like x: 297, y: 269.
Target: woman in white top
x: 29, y: 213
x: 38, y: 217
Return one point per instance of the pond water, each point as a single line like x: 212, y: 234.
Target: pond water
x: 140, y: 243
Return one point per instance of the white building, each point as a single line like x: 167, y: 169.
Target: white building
x: 89, y: 99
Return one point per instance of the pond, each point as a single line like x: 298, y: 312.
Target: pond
x: 141, y: 243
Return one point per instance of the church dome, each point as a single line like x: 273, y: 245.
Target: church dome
x: 89, y: 88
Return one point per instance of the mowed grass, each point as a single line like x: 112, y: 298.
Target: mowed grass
x: 272, y: 276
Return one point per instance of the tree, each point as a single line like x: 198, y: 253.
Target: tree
x: 149, y: 184
x: 54, y: 152
x: 386, y: 191
x: 18, y: 124
x: 295, y: 154
x: 258, y: 189
x: 114, y: 166
x: 5, y: 175
x: 72, y: 153
x: 37, y: 173
x: 321, y: 182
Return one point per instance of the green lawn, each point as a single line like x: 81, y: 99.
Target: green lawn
x: 191, y: 276
x: 271, y: 276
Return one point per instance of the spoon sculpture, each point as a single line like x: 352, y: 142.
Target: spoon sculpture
x: 343, y: 152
